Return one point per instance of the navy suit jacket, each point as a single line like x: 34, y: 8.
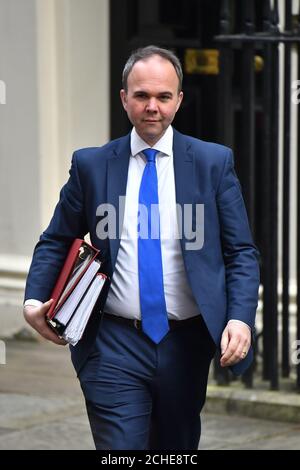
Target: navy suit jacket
x: 223, y: 274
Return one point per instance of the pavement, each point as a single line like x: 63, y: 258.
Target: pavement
x: 42, y: 408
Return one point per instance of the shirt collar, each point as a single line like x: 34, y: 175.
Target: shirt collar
x: 164, y: 145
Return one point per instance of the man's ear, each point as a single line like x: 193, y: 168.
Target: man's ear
x: 123, y: 96
x: 180, y: 98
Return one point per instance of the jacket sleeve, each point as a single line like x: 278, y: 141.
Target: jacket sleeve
x: 239, y: 252
x: 68, y: 222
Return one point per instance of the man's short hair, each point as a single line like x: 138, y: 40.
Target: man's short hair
x: 145, y: 53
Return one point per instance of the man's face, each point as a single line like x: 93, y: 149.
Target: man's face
x: 152, y: 97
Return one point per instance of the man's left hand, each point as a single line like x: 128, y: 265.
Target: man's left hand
x: 235, y: 343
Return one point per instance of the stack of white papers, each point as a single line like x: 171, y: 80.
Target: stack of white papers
x: 72, y: 317
x: 76, y: 326
x: 67, y: 309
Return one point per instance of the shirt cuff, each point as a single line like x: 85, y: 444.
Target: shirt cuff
x: 239, y: 321
x: 33, y: 303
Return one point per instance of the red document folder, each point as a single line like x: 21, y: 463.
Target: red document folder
x: 79, y: 258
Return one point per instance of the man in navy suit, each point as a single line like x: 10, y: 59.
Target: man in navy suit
x: 143, y: 360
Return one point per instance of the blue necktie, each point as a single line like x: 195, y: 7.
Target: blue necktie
x: 152, y: 299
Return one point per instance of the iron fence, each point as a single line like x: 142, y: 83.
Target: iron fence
x: 250, y: 65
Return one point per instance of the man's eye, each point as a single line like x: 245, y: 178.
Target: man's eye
x: 165, y: 98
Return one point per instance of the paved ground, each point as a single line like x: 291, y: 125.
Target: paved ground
x: 41, y: 407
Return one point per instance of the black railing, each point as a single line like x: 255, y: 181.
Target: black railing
x: 249, y: 122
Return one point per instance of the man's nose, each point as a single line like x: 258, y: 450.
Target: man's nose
x: 151, y: 105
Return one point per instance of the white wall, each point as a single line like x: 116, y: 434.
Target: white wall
x: 19, y: 181
x: 54, y: 61
x: 73, y: 85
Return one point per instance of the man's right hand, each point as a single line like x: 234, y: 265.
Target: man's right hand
x: 36, y: 317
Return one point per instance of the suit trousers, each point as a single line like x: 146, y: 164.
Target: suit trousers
x: 141, y: 395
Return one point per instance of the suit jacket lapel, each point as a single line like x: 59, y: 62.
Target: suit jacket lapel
x: 117, y: 171
x: 184, y: 175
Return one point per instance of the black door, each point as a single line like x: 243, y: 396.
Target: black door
x: 188, y: 28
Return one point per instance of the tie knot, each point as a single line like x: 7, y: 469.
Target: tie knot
x: 150, y: 154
